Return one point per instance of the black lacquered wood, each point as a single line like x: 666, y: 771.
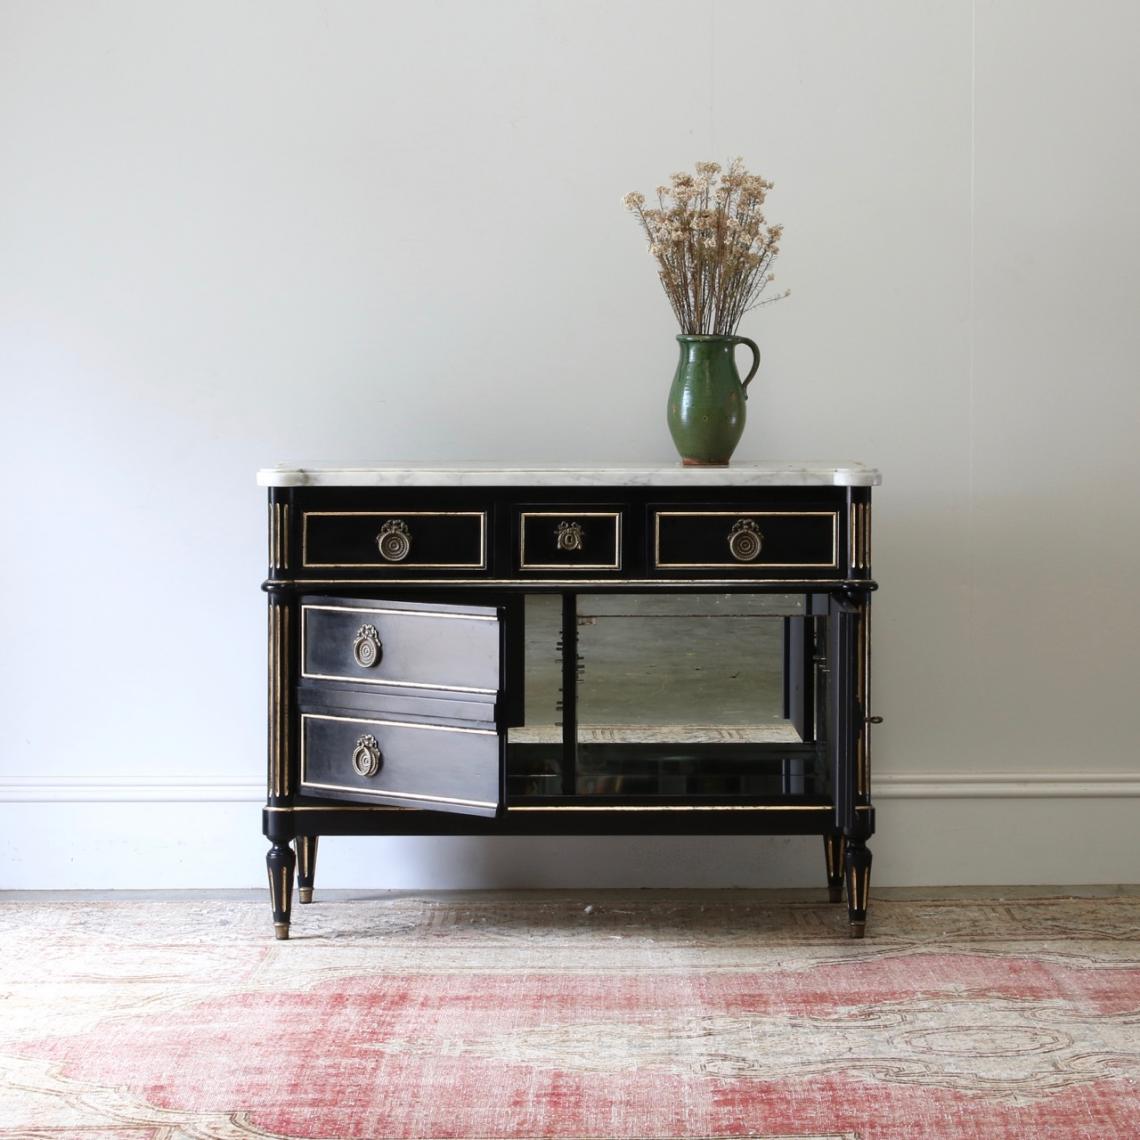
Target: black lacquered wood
x: 442, y: 767
x: 833, y: 860
x: 421, y: 645
x: 842, y: 710
x: 700, y: 539
x: 569, y: 647
x: 450, y: 538
x: 441, y: 698
x: 570, y: 538
x: 306, y: 848
x: 858, y: 867
x: 279, y: 863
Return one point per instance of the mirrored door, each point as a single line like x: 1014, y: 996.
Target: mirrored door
x: 663, y: 698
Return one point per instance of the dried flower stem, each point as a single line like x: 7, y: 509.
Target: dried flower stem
x: 713, y: 246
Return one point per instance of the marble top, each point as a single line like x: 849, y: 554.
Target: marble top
x: 781, y: 474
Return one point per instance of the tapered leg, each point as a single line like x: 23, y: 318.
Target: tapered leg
x: 306, y: 866
x: 281, y: 862
x: 277, y: 819
x: 833, y: 854
x: 858, y: 860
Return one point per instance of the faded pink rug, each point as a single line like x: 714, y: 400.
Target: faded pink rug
x: 608, y: 1014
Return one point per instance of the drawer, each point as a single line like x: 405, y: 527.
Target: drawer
x: 408, y: 645
x: 400, y: 762
x: 395, y: 540
x: 745, y: 539
x: 569, y: 540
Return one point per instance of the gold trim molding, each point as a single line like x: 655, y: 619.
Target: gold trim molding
x: 391, y: 612
x: 622, y: 585
x: 725, y: 564
x: 570, y: 516
x: 279, y: 695
x: 382, y: 517
x: 354, y: 789
x: 278, y: 536
x: 859, y: 537
x: 672, y: 807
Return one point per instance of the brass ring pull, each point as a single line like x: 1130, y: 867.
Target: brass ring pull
x: 570, y: 536
x: 394, y: 541
x: 367, y: 758
x: 745, y: 540
x: 367, y: 648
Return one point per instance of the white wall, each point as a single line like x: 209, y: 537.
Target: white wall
x: 239, y: 234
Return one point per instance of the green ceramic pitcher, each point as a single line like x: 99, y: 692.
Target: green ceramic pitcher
x: 706, y: 400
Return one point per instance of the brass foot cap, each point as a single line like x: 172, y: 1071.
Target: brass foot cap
x: 281, y: 930
x: 858, y: 929
x: 305, y: 894
x: 835, y: 894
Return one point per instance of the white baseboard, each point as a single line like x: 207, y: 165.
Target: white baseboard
x: 131, y: 790
x: 897, y: 786
x: 1005, y: 785
x: 933, y: 830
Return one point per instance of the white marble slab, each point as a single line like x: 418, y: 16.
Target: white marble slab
x: 786, y: 474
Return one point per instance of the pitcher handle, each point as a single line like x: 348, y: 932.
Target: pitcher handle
x: 755, y: 361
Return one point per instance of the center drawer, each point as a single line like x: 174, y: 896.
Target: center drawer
x: 414, y: 645
x: 568, y: 539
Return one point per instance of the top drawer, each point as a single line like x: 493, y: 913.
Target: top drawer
x: 569, y: 540
x: 757, y: 540
x: 405, y: 645
x: 394, y: 540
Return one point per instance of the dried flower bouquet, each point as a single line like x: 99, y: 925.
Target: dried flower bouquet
x: 713, y: 245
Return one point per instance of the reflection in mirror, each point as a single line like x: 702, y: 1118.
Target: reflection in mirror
x: 676, y: 695
x: 685, y: 668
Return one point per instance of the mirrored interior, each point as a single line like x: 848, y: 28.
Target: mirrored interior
x: 673, y: 695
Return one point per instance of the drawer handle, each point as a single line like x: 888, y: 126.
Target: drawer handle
x: 745, y: 540
x: 394, y: 540
x: 570, y: 536
x: 367, y: 758
x: 367, y: 648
